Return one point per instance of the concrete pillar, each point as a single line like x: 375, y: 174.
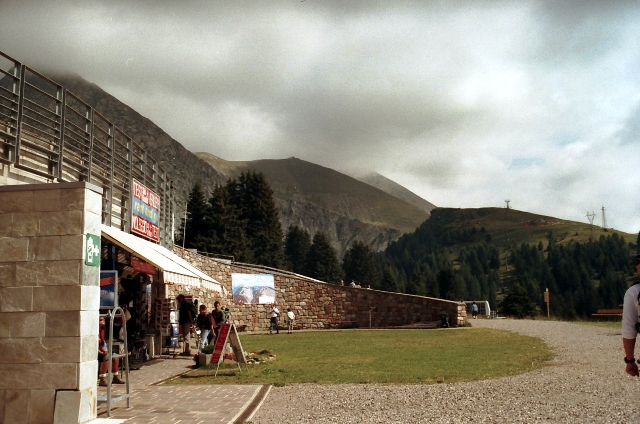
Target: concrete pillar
x: 49, y: 300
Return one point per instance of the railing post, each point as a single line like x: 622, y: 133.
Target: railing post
x: 20, y: 112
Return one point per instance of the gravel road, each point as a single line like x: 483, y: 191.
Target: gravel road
x: 585, y: 383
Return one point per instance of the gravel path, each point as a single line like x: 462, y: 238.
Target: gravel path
x: 585, y: 383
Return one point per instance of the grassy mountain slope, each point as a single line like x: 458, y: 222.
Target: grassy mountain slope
x: 510, y: 226
x: 320, y: 198
x: 389, y: 186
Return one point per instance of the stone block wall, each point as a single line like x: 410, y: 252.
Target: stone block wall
x: 321, y: 305
x: 49, y: 302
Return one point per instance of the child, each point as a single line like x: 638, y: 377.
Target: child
x: 291, y: 318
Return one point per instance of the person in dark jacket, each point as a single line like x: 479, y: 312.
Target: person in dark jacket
x: 186, y: 322
x: 218, y: 317
x: 205, y: 323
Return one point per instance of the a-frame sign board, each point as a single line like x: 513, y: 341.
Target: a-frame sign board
x: 228, y: 334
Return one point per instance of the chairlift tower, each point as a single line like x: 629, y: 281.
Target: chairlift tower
x: 604, y: 220
x: 507, y: 202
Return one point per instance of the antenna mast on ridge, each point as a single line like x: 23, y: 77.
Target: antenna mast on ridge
x: 604, y: 220
x: 507, y: 202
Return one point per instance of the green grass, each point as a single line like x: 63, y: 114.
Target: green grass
x: 606, y: 324
x: 396, y: 356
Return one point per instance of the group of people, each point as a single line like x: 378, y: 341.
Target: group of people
x: 274, y: 315
x: 208, y: 323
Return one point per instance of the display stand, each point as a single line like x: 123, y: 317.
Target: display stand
x: 109, y: 399
x: 171, y: 343
x: 228, y: 334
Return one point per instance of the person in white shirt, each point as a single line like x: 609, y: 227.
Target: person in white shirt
x: 291, y: 318
x: 630, y: 323
x: 274, y: 313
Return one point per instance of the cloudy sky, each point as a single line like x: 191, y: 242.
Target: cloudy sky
x: 465, y: 103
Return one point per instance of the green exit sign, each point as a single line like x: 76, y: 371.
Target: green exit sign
x: 92, y: 250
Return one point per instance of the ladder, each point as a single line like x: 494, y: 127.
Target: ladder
x: 109, y: 398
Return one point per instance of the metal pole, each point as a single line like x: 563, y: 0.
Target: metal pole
x: 184, y: 228
x: 546, y: 299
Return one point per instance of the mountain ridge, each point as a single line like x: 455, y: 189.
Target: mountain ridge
x: 300, y: 186
x: 393, y: 188
x: 339, y: 217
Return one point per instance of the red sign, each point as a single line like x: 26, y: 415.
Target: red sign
x: 143, y: 267
x: 146, y: 195
x: 218, y: 349
x: 145, y: 211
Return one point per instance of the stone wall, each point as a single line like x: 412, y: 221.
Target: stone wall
x: 49, y: 302
x: 321, y: 305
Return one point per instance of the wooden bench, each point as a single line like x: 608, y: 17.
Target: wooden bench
x: 608, y: 313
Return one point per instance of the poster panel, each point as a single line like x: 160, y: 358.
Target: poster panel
x: 257, y: 289
x: 145, y: 211
x: 228, y: 333
x: 108, y: 289
x: 221, y: 341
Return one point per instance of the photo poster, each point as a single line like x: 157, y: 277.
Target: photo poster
x: 255, y: 289
x: 108, y: 289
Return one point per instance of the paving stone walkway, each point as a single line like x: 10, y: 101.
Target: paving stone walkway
x: 157, y: 403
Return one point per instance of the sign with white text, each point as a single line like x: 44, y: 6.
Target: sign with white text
x: 145, y: 212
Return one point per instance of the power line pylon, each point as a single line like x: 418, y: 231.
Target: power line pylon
x: 507, y: 202
x: 590, y: 217
x: 604, y: 220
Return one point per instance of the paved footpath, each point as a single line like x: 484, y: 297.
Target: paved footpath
x: 157, y: 403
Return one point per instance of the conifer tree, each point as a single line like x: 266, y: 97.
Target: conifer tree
x: 198, y: 229
x: 254, y: 199
x: 358, y: 264
x: 518, y: 304
x: 322, y: 260
x: 296, y: 246
x: 229, y: 230
x: 388, y: 282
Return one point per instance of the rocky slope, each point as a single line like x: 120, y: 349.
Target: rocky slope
x: 183, y: 166
x: 319, y: 198
x: 389, y: 186
x: 342, y: 207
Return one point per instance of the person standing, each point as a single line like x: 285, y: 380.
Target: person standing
x: 186, y: 322
x: 474, y: 310
x: 218, y: 317
x: 205, y: 324
x: 274, y: 313
x: 103, y: 359
x: 291, y: 317
x: 226, y: 312
x: 630, y: 325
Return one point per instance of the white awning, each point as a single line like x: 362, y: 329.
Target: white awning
x: 175, y: 269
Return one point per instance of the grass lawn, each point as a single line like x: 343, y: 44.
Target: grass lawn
x: 617, y: 324
x: 391, y: 356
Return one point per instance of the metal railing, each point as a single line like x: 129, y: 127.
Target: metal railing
x: 48, y: 132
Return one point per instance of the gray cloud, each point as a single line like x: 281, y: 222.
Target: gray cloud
x: 465, y: 103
